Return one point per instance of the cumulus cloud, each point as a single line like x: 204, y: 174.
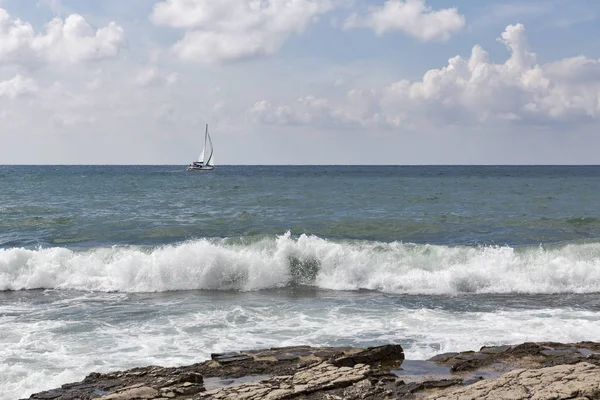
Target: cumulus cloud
x: 413, y: 17
x: 466, y: 91
x: 67, y: 41
x: 231, y: 30
x: 518, y: 89
x: 18, y: 86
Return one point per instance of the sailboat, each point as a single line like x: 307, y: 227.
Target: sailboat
x: 200, y: 165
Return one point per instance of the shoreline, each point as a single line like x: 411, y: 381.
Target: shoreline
x: 382, y: 372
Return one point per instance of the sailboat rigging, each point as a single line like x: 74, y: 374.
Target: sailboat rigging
x: 200, y: 165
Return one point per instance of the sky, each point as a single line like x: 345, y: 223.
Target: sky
x: 401, y: 82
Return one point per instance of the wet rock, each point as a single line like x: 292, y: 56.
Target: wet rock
x: 51, y: 394
x: 287, y: 357
x: 472, y: 380
x: 391, y: 353
x: 328, y: 353
x: 441, y: 383
x: 466, y: 365
x: 216, y: 356
x: 443, y: 357
x: 468, y: 361
x: 191, y: 377
x: 494, y: 349
x: 411, y: 387
x: 593, y: 359
x: 231, y: 357
x: 526, y: 349
x: 561, y: 352
x: 593, y: 346
x: 471, y: 356
x: 143, y: 392
x: 564, y: 359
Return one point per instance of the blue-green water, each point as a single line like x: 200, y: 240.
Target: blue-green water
x: 90, y: 206
x: 108, y: 267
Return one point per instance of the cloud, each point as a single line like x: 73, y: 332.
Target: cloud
x: 150, y: 75
x: 67, y: 41
x: 264, y: 112
x: 358, y: 110
x: 465, y: 92
x: 230, y: 30
x: 410, y: 16
x: 517, y: 90
x: 18, y: 86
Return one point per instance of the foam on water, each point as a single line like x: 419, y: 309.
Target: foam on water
x: 53, y: 348
x: 255, y: 264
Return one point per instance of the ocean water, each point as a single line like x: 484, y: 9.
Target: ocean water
x: 111, y: 267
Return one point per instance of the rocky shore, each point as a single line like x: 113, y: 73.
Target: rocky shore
x: 526, y: 371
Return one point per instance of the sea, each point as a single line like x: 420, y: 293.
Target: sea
x: 106, y: 268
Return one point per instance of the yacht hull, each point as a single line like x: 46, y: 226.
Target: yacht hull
x: 204, y: 168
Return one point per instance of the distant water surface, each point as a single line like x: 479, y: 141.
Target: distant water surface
x: 111, y: 267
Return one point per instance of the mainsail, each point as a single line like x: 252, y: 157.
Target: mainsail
x: 201, y: 158
x: 210, y: 160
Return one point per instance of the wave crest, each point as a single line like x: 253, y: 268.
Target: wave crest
x: 272, y: 262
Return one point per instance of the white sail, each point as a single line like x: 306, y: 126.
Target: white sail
x: 203, y: 153
x: 208, y: 145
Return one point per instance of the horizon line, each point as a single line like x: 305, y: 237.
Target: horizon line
x: 305, y: 165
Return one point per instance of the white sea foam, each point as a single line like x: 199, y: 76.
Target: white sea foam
x: 51, y: 353
x: 224, y: 264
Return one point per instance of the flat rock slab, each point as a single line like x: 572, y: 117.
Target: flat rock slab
x: 382, y: 354
x: 51, y: 394
x: 525, y: 355
x: 144, y: 392
x: 235, y: 358
x: 579, y: 381
x: 320, y: 377
x: 443, y: 357
x: 494, y: 349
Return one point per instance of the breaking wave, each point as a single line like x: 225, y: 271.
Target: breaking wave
x: 272, y: 262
